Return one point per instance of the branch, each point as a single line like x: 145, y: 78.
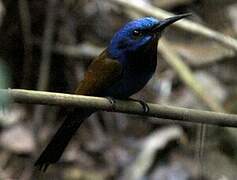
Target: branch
x: 25, y: 19
x: 44, y: 70
x: 131, y: 107
x: 47, y: 45
x: 187, y: 25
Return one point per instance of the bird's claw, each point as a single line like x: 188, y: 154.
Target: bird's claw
x: 112, y: 102
x: 42, y: 167
x: 144, y: 105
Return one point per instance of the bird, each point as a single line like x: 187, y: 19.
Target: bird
x: 121, y: 70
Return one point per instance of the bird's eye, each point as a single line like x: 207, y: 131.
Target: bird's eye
x: 137, y: 33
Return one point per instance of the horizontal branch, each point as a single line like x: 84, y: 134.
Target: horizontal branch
x: 131, y: 107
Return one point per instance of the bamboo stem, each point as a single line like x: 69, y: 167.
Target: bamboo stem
x: 131, y: 107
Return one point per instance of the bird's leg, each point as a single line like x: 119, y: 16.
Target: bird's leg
x: 45, y: 167
x: 144, y: 105
x: 42, y: 167
x: 112, y: 102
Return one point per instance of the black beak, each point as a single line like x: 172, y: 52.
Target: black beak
x: 166, y: 22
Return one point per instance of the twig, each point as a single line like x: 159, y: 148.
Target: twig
x: 131, y: 107
x: 187, y: 77
x: 202, y: 130
x: 187, y: 25
x: 27, y: 37
x: 46, y: 53
x: 47, y: 46
x: 45, y: 63
x: 2, y: 12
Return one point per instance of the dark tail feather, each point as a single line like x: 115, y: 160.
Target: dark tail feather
x: 60, y: 140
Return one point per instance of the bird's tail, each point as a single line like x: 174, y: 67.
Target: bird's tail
x: 60, y: 140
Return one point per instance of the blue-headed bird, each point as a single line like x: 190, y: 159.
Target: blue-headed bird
x: 121, y: 70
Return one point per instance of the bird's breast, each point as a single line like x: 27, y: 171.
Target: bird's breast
x: 137, y: 71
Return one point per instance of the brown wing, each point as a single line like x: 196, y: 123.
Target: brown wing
x: 102, y: 72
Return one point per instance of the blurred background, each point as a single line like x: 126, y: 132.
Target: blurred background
x: 48, y: 44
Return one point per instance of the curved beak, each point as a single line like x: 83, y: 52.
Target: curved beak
x: 166, y: 22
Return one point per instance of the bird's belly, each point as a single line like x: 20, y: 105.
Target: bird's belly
x: 128, y: 85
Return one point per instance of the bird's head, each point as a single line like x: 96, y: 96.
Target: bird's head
x: 138, y: 34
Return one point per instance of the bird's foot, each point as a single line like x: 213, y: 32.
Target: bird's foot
x: 144, y: 105
x: 112, y: 102
x: 42, y: 167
